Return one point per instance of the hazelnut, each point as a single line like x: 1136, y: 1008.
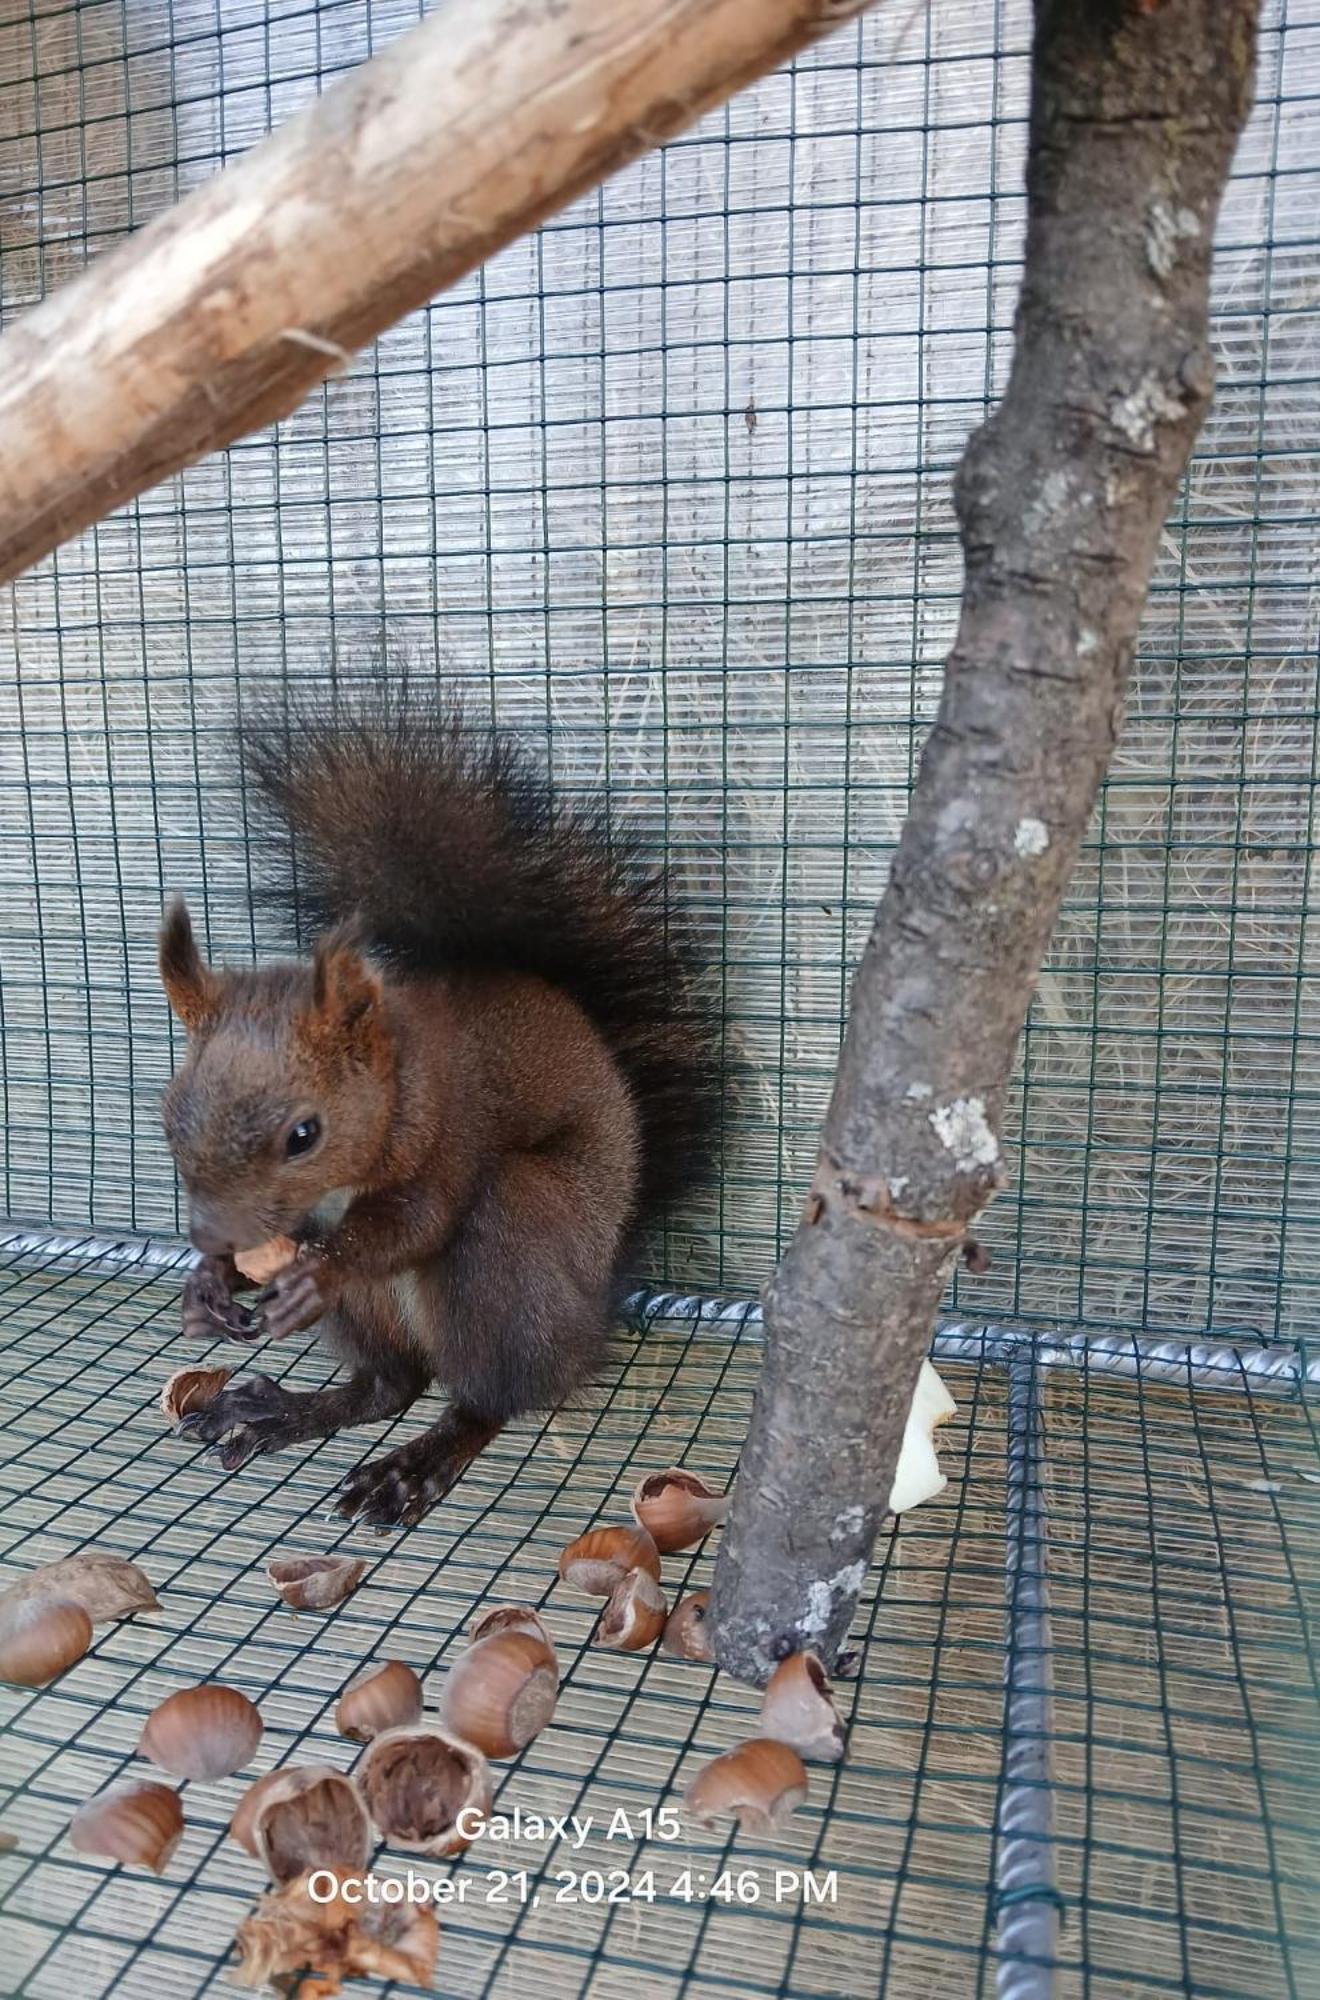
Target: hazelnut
x: 600, y: 1558
x: 261, y: 1263
x: 380, y: 1697
x: 759, y: 1784
x: 501, y: 1692
x: 39, y: 1638
x: 677, y: 1508
x: 202, y: 1732
x: 139, y: 1823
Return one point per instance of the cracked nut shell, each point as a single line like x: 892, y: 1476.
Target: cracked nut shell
x: 760, y: 1784
x: 510, y: 1618
x: 635, y: 1615
x: 191, y: 1389
x: 106, y: 1586
x: 602, y: 1557
x: 202, y: 1732
x: 501, y: 1692
x: 301, y: 1818
x: 416, y: 1783
x: 291, y: 1940
x: 677, y: 1508
x: 687, y: 1632
x: 383, y: 1696
x: 316, y: 1583
x: 798, y: 1709
x: 139, y: 1823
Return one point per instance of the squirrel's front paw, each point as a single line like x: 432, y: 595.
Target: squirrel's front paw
x: 295, y: 1298
x: 252, y: 1416
x: 209, y: 1305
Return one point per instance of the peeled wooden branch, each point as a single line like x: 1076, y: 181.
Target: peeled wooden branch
x: 1136, y: 107
x: 222, y: 314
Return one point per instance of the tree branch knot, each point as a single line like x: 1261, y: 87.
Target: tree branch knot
x: 870, y: 1198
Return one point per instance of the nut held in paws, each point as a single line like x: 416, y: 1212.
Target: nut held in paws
x: 262, y: 1263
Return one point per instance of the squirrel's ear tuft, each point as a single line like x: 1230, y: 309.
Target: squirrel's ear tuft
x: 346, y: 993
x: 190, y: 985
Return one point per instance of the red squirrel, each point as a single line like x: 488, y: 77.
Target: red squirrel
x: 497, y: 1068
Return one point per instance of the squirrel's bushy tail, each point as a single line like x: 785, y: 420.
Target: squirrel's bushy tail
x: 443, y: 841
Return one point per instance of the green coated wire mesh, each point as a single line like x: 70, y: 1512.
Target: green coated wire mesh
x: 666, y: 486
x: 1185, y: 1831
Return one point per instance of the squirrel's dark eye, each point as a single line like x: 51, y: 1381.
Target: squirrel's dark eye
x: 303, y: 1137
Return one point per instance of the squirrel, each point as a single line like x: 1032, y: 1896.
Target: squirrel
x: 496, y: 1070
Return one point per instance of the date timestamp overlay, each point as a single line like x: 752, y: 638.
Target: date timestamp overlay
x: 491, y: 1885
x: 688, y: 1885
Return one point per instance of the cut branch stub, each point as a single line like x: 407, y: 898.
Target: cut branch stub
x: 1060, y: 498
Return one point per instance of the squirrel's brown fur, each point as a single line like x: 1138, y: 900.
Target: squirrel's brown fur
x: 494, y: 1070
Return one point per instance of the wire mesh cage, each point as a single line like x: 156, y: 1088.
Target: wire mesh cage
x: 666, y: 487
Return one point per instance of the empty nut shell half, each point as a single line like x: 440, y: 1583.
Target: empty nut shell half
x: 139, y: 1823
x: 243, y: 1821
x: 501, y: 1692
x: 510, y: 1618
x: 598, y: 1560
x: 798, y: 1709
x: 191, y: 1389
x: 106, y: 1586
x: 316, y: 1583
x: 759, y: 1784
x: 419, y: 1784
x: 40, y: 1638
x: 677, y: 1508
x: 635, y: 1615
x: 687, y: 1632
x: 202, y: 1732
x: 303, y: 1818
x: 385, y: 1696
x: 261, y: 1263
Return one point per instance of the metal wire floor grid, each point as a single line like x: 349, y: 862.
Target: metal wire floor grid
x: 1182, y: 1537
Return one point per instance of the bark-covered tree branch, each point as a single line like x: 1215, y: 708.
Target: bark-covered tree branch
x: 222, y: 314
x: 1136, y: 108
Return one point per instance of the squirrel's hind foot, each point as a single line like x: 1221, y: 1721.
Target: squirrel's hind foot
x: 397, y: 1490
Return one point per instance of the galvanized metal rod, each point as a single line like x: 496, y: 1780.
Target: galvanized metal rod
x: 1280, y: 1368
x: 1027, y: 1901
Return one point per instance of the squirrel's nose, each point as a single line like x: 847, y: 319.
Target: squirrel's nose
x: 204, y: 1236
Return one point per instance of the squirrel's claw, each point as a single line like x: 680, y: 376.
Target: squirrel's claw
x: 293, y: 1300
x: 209, y: 1307
x: 394, y: 1491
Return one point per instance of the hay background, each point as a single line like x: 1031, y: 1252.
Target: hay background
x: 668, y: 485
